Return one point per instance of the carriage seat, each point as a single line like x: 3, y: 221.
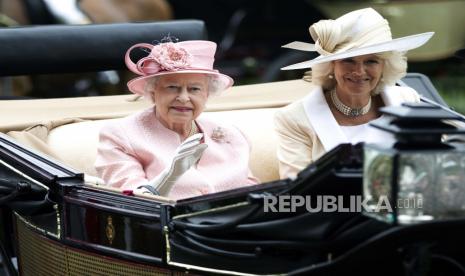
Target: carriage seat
x: 76, y: 144
x: 68, y: 130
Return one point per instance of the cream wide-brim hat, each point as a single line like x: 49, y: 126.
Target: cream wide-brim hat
x: 356, y: 33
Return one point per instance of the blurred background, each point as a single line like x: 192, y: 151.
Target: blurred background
x: 249, y: 35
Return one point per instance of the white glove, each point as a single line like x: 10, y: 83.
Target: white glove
x: 186, y: 155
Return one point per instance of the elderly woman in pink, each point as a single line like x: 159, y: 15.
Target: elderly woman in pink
x: 170, y: 149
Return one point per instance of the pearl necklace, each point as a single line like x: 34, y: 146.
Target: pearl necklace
x: 347, y: 110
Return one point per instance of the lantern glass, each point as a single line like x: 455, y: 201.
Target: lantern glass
x: 377, y: 181
x: 420, y: 185
x: 435, y: 179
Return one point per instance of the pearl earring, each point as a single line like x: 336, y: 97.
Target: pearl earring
x: 330, y: 76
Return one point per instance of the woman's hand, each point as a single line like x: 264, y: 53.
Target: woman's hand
x: 186, y: 155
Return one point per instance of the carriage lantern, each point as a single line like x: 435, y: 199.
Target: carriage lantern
x: 422, y: 176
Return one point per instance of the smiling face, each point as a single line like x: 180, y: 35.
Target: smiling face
x: 358, y: 75
x: 180, y: 98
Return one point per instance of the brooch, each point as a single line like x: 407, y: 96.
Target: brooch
x: 219, y: 135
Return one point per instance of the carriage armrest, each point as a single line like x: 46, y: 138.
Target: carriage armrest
x: 98, y: 183
x: 83, y: 48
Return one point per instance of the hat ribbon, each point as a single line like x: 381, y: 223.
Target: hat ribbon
x: 325, y: 33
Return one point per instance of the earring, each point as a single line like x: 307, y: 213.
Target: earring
x: 330, y: 76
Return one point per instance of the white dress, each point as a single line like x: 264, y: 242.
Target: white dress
x: 368, y: 134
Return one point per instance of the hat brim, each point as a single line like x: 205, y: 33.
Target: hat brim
x: 137, y: 85
x: 399, y: 44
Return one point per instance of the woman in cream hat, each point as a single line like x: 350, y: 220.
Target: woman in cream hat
x: 354, y: 76
x: 170, y: 149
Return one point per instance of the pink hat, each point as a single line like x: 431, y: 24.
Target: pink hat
x: 193, y: 56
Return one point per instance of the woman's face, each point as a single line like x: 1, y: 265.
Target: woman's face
x: 180, y: 98
x: 356, y: 75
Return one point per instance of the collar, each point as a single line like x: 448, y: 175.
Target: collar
x: 323, y: 122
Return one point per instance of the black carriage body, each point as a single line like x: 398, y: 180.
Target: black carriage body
x: 69, y: 217
x: 62, y: 226
x: 60, y: 213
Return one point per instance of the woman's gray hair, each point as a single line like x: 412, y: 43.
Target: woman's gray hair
x: 214, y: 86
x: 395, y: 68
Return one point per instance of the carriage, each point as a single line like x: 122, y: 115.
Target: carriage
x: 57, y: 219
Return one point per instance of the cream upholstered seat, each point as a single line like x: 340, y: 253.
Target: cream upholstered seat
x: 74, y: 141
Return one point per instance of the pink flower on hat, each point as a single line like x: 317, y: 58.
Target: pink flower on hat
x: 171, y: 57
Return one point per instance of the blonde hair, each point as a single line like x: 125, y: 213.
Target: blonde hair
x: 214, y: 86
x: 395, y: 68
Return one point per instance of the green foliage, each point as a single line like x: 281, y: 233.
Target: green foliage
x: 452, y: 89
x: 448, y: 77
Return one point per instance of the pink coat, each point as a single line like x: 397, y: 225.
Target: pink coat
x: 135, y: 149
